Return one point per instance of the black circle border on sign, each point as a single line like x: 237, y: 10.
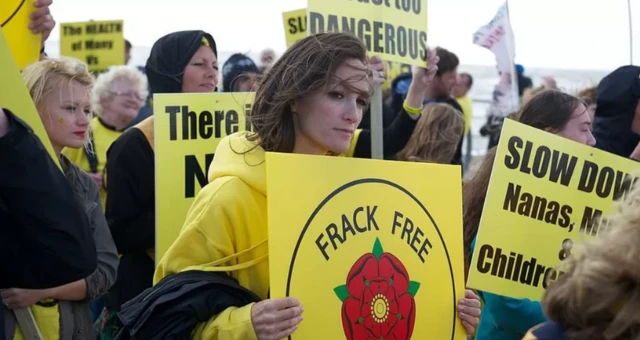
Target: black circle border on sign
x: 376, y: 181
x: 13, y: 14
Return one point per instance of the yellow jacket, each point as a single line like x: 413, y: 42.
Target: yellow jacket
x: 226, y: 230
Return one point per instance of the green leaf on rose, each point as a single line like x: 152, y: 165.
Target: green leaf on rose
x: 341, y: 292
x: 413, y: 288
x: 377, y: 249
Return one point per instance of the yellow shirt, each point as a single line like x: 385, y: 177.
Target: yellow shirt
x: 467, y: 110
x: 103, y: 137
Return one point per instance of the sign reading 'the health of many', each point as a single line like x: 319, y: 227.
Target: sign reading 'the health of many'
x: 546, y: 195
x: 396, y: 30
x: 370, y: 252
x: 188, y: 128
x: 100, y: 44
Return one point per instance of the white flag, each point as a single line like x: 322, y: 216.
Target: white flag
x: 497, y: 36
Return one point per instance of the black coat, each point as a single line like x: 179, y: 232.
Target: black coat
x: 45, y: 238
x: 178, y: 303
x: 617, y: 98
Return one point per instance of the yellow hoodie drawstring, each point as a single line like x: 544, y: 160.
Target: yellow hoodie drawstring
x: 214, y: 266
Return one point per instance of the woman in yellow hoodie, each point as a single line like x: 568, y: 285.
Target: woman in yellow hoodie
x: 311, y: 101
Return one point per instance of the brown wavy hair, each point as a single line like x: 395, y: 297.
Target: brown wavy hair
x: 436, y: 135
x: 599, y: 295
x: 474, y: 192
x: 307, y: 66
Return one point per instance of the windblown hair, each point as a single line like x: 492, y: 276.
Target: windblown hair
x: 549, y: 109
x: 474, y: 193
x: 46, y: 76
x: 599, y: 295
x: 588, y: 95
x: 103, y: 87
x: 436, y: 136
x: 306, y: 67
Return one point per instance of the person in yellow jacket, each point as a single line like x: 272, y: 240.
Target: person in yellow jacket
x: 310, y: 102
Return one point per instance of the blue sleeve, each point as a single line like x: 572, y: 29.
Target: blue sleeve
x: 514, y: 315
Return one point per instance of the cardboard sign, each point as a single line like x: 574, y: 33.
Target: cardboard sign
x: 188, y: 128
x: 371, y: 251
x: 15, y: 97
x: 14, y: 20
x: 100, y: 44
x: 295, y: 25
x: 546, y: 196
x: 394, y: 30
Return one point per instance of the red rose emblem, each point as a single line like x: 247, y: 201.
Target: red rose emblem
x: 378, y: 299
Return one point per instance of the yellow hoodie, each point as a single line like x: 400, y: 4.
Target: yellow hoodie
x: 226, y: 230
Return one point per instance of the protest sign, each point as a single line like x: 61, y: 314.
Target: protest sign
x: 394, y: 30
x: 546, y: 196
x: 15, y: 97
x: 370, y: 252
x: 14, y: 21
x: 295, y: 28
x: 188, y: 128
x: 295, y: 25
x: 100, y: 44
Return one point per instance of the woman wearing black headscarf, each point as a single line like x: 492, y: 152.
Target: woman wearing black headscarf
x: 180, y: 62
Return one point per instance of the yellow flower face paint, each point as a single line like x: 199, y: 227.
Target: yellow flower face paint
x: 60, y: 120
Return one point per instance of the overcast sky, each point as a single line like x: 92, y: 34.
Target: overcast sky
x: 575, y: 34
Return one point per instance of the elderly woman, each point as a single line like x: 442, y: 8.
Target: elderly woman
x: 117, y: 97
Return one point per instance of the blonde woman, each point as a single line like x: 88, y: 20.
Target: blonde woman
x: 116, y: 99
x: 436, y: 135
x: 61, y: 90
x: 599, y: 296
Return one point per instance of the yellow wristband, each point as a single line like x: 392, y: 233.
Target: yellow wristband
x: 411, y: 110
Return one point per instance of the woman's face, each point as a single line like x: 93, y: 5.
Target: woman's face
x: 64, y: 113
x: 125, y: 100
x: 578, y: 128
x: 201, y: 74
x: 327, y: 119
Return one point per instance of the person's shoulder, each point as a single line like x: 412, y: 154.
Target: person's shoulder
x: 83, y: 184
x: 546, y: 331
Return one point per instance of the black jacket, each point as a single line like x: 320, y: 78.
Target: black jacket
x: 617, y: 97
x: 130, y: 206
x: 45, y: 238
x: 178, y: 303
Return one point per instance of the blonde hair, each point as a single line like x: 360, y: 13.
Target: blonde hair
x: 46, y: 76
x: 103, y: 86
x: 436, y: 136
x: 599, y: 296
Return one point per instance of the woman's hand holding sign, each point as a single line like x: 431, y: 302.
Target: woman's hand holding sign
x: 376, y: 66
x: 275, y: 319
x: 41, y: 19
x: 421, y: 80
x: 469, y: 311
x: 422, y: 77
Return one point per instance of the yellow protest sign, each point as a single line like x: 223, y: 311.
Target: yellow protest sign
x: 188, y: 128
x: 15, y: 97
x: 547, y: 195
x: 295, y: 25
x: 394, y: 30
x: 100, y: 44
x: 14, y: 20
x: 370, y: 252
